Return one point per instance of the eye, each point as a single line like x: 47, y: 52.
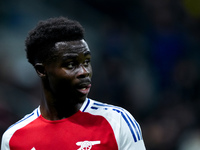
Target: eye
x: 86, y: 62
x: 70, y: 65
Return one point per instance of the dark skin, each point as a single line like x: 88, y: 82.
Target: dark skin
x: 66, y: 80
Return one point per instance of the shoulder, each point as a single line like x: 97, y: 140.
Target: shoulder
x: 119, y: 118
x: 126, y: 129
x: 25, y: 120
x: 107, y: 110
x: 18, y: 125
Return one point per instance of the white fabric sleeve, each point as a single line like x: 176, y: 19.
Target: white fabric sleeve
x: 130, y: 133
x: 5, y: 143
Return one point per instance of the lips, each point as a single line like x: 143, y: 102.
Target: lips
x: 85, y: 90
x: 84, y: 87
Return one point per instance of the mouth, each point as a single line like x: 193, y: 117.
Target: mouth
x: 84, y: 88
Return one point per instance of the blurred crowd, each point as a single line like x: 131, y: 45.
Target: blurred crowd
x: 145, y: 59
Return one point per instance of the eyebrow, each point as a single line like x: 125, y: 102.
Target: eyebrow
x: 70, y: 56
x: 74, y: 55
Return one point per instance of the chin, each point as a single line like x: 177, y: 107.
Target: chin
x: 82, y: 99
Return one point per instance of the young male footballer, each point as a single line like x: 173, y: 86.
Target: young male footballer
x: 66, y: 118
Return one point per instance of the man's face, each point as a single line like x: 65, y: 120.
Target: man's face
x: 69, y: 75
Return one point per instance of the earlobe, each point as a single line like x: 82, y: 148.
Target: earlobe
x: 40, y: 69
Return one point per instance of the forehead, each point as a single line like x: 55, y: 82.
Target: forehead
x: 71, y: 46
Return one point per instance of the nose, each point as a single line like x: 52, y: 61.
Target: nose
x: 83, y: 72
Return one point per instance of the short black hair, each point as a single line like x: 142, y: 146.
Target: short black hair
x: 41, y: 40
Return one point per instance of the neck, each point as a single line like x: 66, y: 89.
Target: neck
x: 51, y: 109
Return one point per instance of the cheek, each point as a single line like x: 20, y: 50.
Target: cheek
x: 60, y: 82
x: 62, y: 86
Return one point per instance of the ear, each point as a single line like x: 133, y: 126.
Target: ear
x: 40, y: 69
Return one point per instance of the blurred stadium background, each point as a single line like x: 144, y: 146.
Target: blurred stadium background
x: 145, y: 58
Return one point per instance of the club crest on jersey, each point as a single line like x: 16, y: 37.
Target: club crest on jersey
x: 87, y: 145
